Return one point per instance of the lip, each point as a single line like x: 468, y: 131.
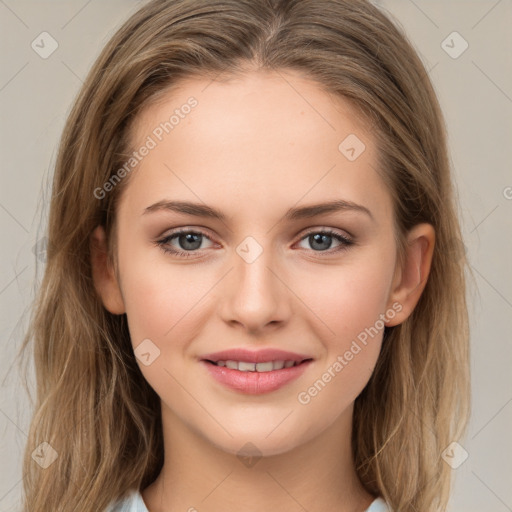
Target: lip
x: 255, y: 356
x: 255, y: 383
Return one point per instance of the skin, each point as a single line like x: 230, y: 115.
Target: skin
x: 254, y: 147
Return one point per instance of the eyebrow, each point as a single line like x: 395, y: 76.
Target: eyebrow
x: 297, y: 213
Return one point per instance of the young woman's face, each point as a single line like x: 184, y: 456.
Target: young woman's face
x: 270, y: 271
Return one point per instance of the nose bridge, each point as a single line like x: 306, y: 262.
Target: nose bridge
x: 255, y: 296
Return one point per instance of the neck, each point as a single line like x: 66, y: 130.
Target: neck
x: 198, y: 476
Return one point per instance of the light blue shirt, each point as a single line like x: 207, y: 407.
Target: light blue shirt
x: 135, y: 503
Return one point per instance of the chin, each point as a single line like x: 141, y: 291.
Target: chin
x: 261, y: 442
x: 250, y: 447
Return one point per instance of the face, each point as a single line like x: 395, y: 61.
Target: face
x: 268, y: 272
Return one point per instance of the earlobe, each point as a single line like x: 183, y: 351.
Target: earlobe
x: 104, y: 278
x: 410, y: 280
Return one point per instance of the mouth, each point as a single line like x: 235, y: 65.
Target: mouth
x: 257, y: 372
x: 265, y: 366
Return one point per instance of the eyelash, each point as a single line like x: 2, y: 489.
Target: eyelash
x: 163, y: 243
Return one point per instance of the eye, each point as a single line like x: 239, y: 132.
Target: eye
x: 321, y: 241
x: 188, y: 242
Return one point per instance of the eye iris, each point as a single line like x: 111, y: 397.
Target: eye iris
x: 320, y: 238
x: 190, y: 238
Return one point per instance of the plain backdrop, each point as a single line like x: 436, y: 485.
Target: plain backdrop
x: 471, y: 71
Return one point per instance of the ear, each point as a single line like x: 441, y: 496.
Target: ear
x: 409, y: 280
x: 104, y: 278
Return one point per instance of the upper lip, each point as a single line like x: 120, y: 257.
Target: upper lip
x: 255, y: 356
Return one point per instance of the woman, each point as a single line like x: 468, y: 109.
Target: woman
x: 255, y: 367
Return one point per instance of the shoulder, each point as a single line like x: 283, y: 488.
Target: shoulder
x: 378, y: 505
x: 133, y: 502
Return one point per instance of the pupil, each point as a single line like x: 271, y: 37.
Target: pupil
x: 189, y: 238
x: 320, y: 238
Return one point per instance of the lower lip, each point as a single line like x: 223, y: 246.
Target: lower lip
x: 255, y: 383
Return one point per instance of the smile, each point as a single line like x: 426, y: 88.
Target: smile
x: 267, y: 366
x: 255, y: 372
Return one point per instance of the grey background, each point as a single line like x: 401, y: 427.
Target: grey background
x: 475, y: 91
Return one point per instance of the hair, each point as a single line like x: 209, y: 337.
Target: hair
x: 93, y: 405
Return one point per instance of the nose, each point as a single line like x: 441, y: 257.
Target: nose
x: 255, y: 297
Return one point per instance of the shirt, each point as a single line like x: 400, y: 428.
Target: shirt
x: 135, y: 503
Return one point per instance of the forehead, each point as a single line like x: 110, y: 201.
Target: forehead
x: 266, y: 135
x: 247, y: 101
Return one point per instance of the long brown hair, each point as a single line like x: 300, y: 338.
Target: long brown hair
x: 93, y: 406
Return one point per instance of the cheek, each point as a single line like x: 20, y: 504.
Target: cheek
x: 161, y: 301
x: 347, y: 305
x: 159, y: 294
x: 166, y: 306
x: 348, y: 298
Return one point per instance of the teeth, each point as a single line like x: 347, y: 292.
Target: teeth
x: 246, y: 367
x: 267, y: 366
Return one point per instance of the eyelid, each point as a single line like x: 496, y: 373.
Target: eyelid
x: 204, y: 231
x: 324, y: 229
x: 187, y: 229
